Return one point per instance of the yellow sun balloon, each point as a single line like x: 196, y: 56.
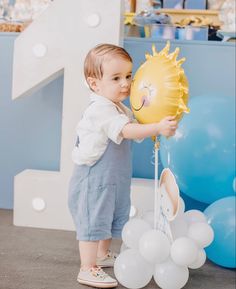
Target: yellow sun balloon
x: 159, y: 87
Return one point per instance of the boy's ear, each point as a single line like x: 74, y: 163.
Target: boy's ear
x: 92, y: 82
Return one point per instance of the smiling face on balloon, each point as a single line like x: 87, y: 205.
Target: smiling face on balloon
x: 147, y: 94
x: 159, y: 87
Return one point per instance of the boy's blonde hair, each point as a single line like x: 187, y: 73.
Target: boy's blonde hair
x: 93, y: 64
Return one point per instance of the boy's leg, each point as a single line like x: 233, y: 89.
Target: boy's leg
x: 88, y: 253
x: 105, y: 257
x: 103, y: 247
x: 90, y: 274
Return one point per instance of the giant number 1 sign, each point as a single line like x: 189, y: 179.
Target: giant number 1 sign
x: 57, y: 43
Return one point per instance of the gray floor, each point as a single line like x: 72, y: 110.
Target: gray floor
x: 48, y: 259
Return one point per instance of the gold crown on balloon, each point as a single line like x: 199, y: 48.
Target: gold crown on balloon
x: 172, y: 57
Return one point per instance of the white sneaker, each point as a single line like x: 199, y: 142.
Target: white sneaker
x: 96, y: 277
x: 108, y: 260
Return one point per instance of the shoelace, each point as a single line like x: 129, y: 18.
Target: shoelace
x: 111, y: 254
x: 98, y: 272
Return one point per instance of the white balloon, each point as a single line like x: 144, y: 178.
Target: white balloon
x: 154, y: 246
x: 184, y: 251
x: 149, y: 218
x: 200, y: 261
x: 131, y: 270
x: 179, y: 227
x: 193, y: 216
x: 132, y: 232
x: 201, y: 233
x: 168, y: 275
x: 123, y: 247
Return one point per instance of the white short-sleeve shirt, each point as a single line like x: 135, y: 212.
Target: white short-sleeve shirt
x: 101, y: 121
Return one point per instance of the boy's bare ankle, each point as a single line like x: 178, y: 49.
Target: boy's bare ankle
x: 102, y: 254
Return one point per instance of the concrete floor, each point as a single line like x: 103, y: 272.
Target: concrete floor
x: 48, y: 259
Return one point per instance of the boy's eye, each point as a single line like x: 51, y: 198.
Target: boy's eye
x: 128, y: 76
x: 116, y: 78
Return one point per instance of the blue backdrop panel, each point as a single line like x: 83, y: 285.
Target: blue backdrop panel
x: 30, y: 127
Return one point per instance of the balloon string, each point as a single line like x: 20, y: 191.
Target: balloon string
x: 152, y: 161
x: 156, y: 193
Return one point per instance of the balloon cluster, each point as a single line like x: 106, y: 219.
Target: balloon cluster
x: 202, y: 157
x: 147, y: 252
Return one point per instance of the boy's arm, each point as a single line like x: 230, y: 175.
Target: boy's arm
x: 139, y: 131
x: 165, y: 127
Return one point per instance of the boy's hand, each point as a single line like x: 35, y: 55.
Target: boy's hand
x: 167, y: 126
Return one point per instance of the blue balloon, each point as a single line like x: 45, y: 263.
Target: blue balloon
x: 221, y: 217
x: 202, y: 152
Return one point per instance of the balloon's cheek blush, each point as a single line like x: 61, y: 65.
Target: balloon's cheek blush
x: 145, y: 100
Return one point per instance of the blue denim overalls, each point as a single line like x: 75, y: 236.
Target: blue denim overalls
x: 99, y: 195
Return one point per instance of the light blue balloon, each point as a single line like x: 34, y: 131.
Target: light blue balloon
x: 221, y: 216
x: 202, y: 153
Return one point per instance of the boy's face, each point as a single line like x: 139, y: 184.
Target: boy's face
x: 116, y: 81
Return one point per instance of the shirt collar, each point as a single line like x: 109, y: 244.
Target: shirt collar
x: 95, y: 97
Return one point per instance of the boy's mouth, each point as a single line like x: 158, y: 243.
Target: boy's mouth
x: 125, y: 93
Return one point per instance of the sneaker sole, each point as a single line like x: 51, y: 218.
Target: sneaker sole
x: 105, y: 265
x: 97, y: 284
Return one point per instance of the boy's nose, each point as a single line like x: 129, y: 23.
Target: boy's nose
x: 124, y: 83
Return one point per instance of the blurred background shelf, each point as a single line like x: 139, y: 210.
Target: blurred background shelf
x: 178, y: 15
